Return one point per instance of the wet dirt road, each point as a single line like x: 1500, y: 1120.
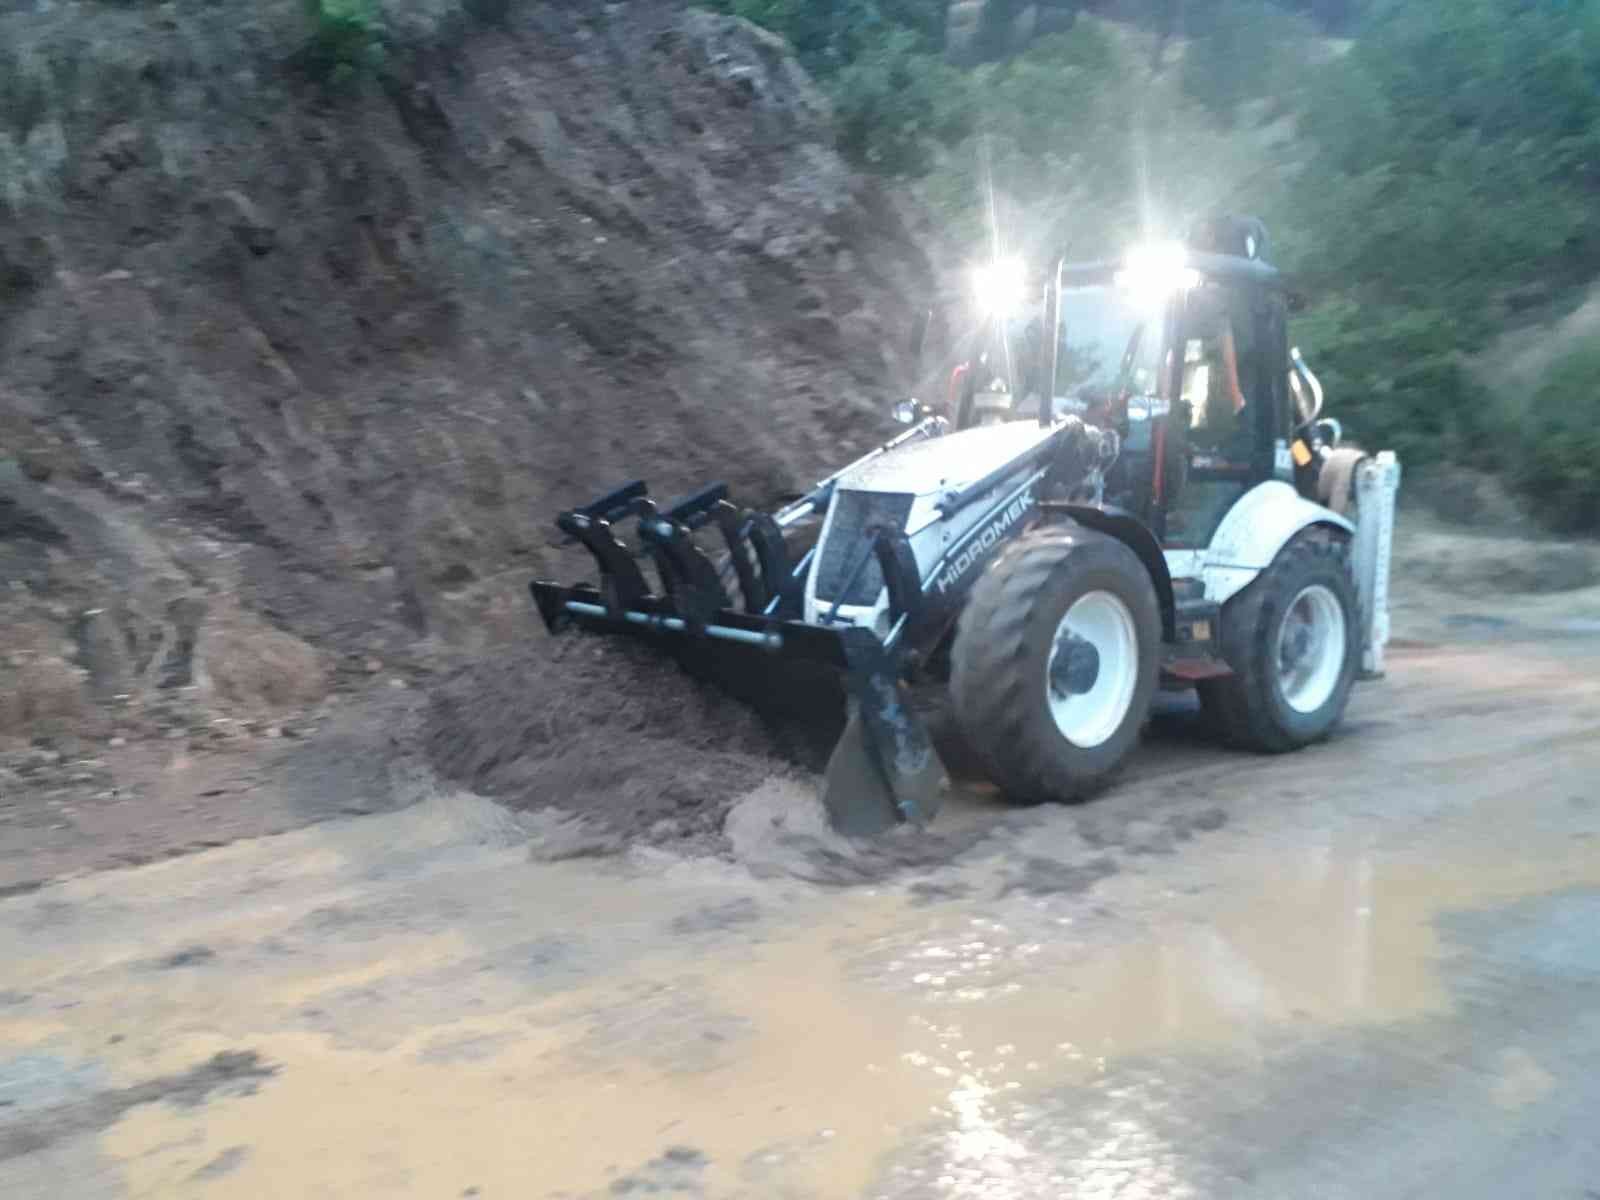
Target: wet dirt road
x: 1369, y: 970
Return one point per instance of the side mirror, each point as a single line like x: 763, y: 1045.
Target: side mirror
x: 908, y: 412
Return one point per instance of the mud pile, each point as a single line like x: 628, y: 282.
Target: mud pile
x: 299, y: 364
x: 614, y: 731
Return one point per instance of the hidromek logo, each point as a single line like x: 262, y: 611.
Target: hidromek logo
x: 985, y: 541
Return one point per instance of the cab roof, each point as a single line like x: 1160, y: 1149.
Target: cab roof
x: 1223, y: 268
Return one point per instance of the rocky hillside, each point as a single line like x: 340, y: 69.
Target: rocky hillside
x: 297, y: 364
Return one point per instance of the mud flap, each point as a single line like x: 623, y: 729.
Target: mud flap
x: 884, y: 769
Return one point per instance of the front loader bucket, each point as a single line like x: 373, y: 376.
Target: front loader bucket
x: 883, y: 771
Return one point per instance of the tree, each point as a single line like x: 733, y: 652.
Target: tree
x: 1451, y: 187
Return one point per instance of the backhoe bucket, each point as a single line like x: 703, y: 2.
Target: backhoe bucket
x: 883, y: 771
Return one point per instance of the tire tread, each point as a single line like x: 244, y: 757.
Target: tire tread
x: 1239, y: 706
x: 992, y: 678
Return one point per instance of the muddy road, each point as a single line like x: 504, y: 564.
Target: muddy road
x: 1368, y: 970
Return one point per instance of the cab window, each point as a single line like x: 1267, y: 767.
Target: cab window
x: 1220, y: 372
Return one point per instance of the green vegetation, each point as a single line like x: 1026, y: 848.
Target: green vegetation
x: 1434, y: 182
x: 345, y: 38
x: 894, y: 105
x: 1557, y: 443
x: 1242, y: 50
x: 1451, y: 189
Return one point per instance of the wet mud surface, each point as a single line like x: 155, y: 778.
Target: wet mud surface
x: 236, y: 1072
x: 602, y: 745
x: 1364, y: 970
x: 611, y: 731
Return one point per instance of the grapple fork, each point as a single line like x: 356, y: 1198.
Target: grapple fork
x: 884, y: 770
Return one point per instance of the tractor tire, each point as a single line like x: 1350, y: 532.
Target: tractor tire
x: 1293, y: 640
x: 1056, y: 659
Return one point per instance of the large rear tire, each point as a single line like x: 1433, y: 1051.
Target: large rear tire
x: 1056, y: 659
x: 1292, y: 638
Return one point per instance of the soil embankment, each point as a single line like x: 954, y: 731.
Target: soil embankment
x: 298, y: 370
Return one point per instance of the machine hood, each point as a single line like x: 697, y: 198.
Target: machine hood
x: 948, y: 463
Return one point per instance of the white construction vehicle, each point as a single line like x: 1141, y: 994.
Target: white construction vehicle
x: 1149, y: 497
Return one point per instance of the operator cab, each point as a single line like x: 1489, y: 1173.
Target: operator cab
x: 1184, y: 352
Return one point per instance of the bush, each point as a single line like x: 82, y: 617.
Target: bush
x: 1557, y: 443
x: 995, y: 25
x: 1395, y: 380
x: 1452, y: 183
x: 345, y: 38
x: 1243, y: 50
x: 895, y: 104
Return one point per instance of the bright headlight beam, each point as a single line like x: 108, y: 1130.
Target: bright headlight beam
x: 1000, y: 286
x: 1154, y: 272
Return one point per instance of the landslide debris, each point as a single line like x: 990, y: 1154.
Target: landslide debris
x: 302, y: 356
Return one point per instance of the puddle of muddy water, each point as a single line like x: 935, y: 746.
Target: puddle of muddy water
x: 791, y: 1063
x: 509, y: 1030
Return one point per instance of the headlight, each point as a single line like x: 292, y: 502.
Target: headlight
x: 1154, y: 272
x: 1000, y: 286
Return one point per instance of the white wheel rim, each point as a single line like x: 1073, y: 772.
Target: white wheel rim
x: 1311, y: 646
x: 1088, y: 719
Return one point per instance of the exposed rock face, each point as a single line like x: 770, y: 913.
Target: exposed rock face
x: 305, y: 368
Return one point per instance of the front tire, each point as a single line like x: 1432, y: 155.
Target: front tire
x: 1292, y: 638
x: 1055, y: 662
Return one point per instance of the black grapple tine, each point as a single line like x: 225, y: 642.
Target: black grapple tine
x: 618, y: 503
x: 621, y: 582
x: 613, y: 506
x: 777, y: 569
x: 689, y: 577
x: 695, y: 510
x: 884, y: 771
x: 751, y: 586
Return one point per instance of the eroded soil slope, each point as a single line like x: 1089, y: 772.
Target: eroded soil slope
x: 297, y: 371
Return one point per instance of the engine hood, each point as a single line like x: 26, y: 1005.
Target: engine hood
x: 947, y: 463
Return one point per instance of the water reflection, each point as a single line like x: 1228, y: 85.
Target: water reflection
x: 1008, y: 1047
x: 1325, y: 934
x: 1081, y: 1069
x: 1329, y: 936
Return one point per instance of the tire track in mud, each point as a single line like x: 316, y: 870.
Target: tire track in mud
x: 228, y: 1072
x: 661, y: 1019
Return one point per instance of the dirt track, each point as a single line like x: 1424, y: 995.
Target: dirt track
x: 1366, y: 970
